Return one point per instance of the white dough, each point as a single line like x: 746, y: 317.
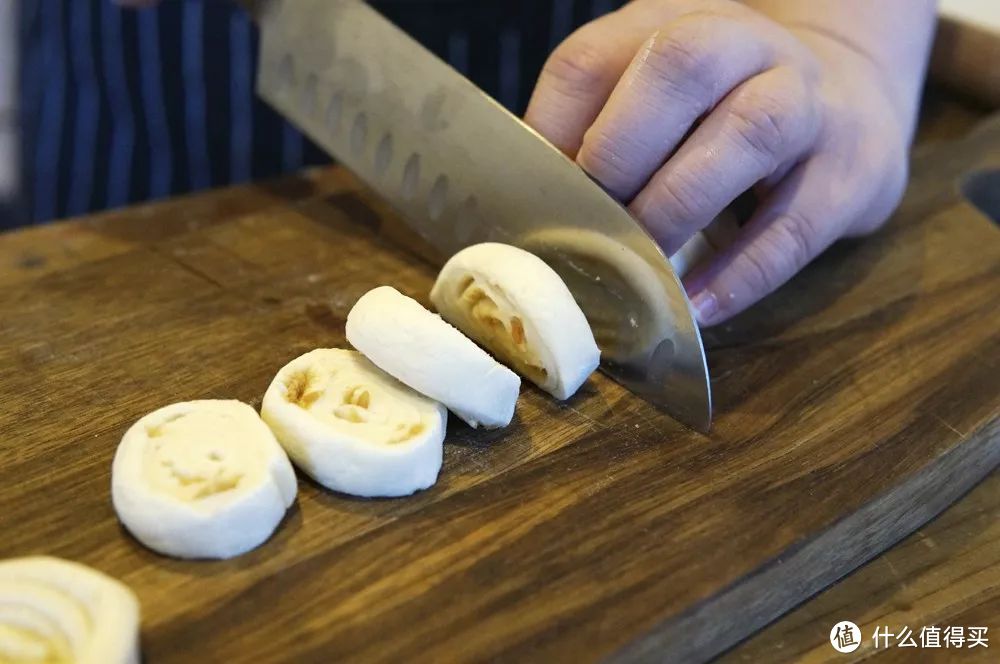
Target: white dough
x: 354, y: 428
x: 722, y: 232
x: 694, y: 251
x: 517, y: 307
x: 201, y: 479
x: 53, y: 610
x: 423, y: 351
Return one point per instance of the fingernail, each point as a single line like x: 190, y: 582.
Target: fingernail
x: 706, y: 305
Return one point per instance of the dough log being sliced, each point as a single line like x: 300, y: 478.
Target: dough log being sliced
x: 516, y: 306
x: 354, y: 428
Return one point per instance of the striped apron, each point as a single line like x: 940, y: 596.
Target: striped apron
x: 119, y: 106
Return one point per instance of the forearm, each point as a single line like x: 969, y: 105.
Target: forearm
x: 895, y: 35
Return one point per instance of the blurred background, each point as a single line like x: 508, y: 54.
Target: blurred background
x: 101, y: 106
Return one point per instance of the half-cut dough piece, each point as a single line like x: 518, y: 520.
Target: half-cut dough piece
x: 421, y: 350
x: 517, y: 307
x: 201, y: 479
x: 53, y: 610
x: 353, y: 427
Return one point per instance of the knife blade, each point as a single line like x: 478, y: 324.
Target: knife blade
x: 460, y: 169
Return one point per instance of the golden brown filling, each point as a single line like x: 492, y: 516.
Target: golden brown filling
x: 503, y: 335
x: 307, y: 389
x: 297, y: 388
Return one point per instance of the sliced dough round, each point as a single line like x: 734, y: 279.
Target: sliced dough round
x: 421, y: 350
x: 518, y: 308
x: 53, y: 610
x: 201, y: 479
x: 353, y: 427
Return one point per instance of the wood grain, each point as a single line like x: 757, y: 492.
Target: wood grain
x: 947, y: 573
x: 853, y: 406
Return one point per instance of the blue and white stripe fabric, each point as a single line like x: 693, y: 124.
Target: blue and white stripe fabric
x: 119, y: 106
x: 10, y: 175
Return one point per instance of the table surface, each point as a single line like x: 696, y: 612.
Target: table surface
x: 172, y: 289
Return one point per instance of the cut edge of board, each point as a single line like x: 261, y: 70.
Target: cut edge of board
x: 849, y: 544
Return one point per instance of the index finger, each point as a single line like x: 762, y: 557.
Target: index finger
x: 580, y: 75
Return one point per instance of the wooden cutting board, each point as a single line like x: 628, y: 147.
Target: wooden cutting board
x: 967, y: 48
x: 852, y: 406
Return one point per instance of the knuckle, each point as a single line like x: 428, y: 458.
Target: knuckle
x: 788, y: 245
x: 798, y: 239
x: 683, y: 60
x: 684, y: 197
x: 577, y: 65
x: 767, y: 125
x: 610, y: 157
x: 605, y: 156
x: 758, y: 271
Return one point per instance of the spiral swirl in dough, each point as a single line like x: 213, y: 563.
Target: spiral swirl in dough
x: 53, y: 610
x: 354, y: 428
x: 518, y: 308
x: 201, y: 479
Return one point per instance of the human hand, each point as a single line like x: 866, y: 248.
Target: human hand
x: 677, y: 107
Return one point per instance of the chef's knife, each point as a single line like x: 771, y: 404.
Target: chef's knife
x: 461, y: 169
